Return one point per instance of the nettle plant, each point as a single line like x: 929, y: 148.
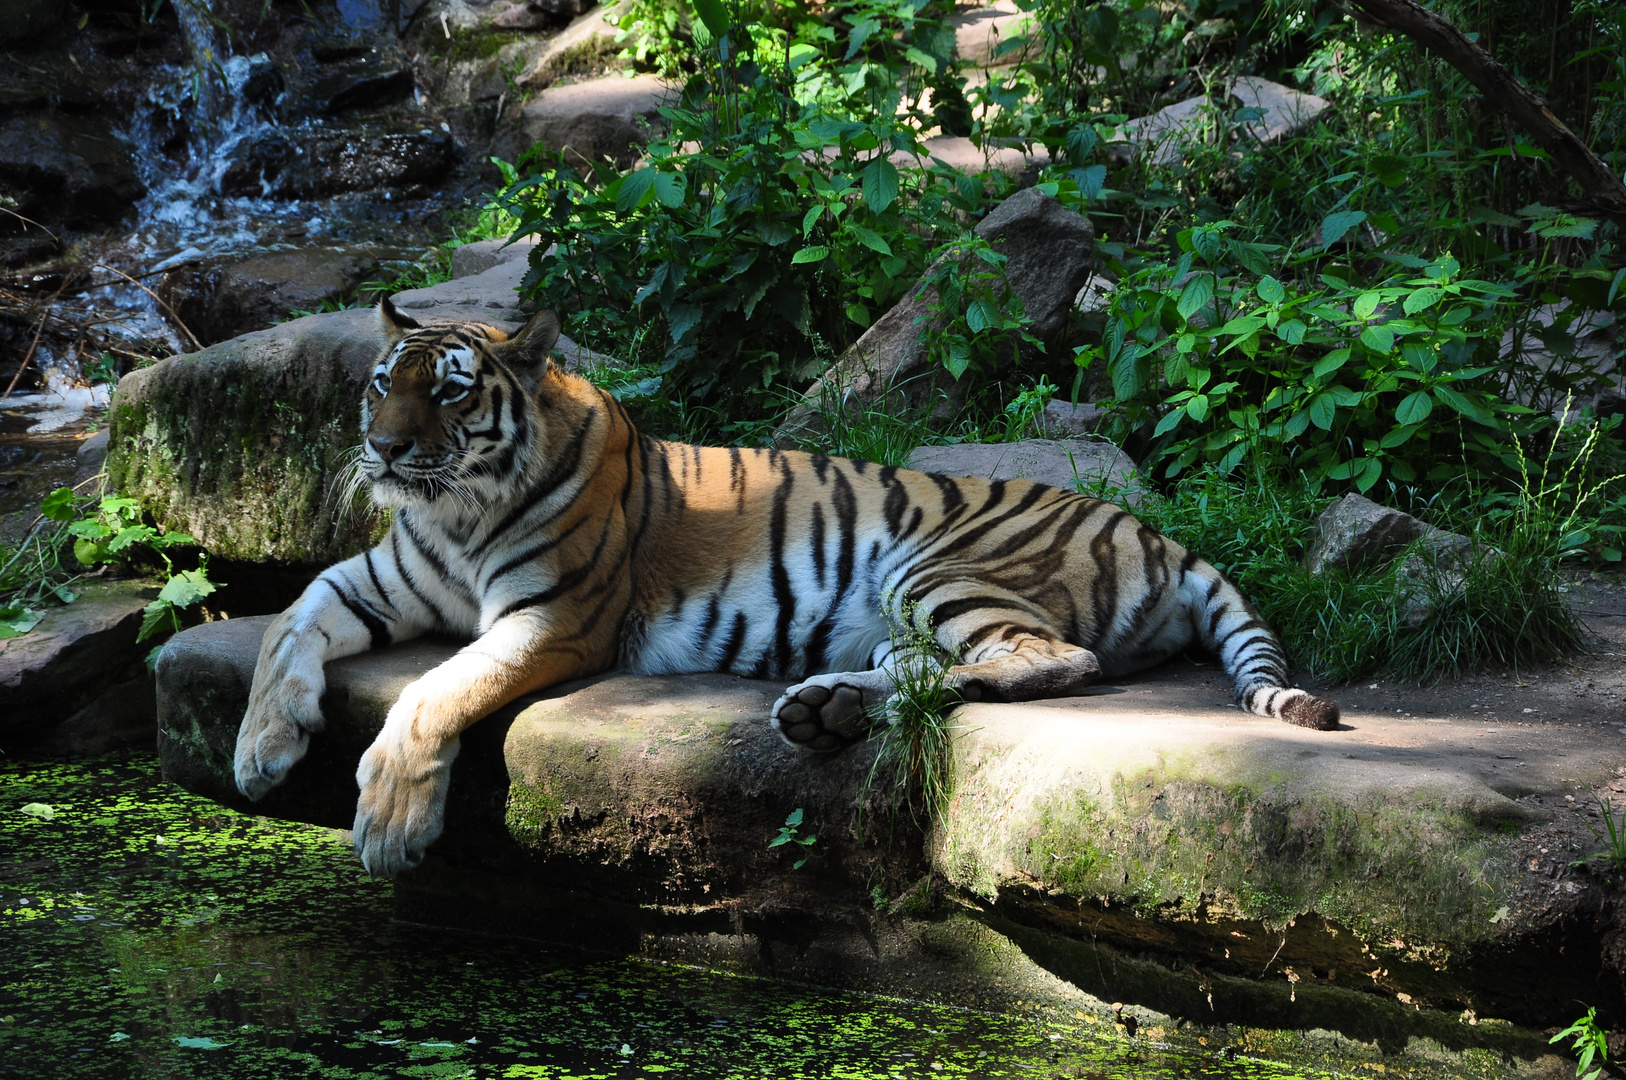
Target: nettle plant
x: 1343, y: 381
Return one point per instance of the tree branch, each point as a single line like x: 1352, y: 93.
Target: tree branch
x: 1603, y: 189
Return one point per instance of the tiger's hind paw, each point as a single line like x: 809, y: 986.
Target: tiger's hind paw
x: 823, y: 714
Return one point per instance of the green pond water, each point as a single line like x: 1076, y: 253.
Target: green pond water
x: 145, y: 932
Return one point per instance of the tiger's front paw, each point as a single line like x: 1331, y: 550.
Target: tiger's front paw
x: 402, y: 806
x: 824, y: 713
x: 276, y: 730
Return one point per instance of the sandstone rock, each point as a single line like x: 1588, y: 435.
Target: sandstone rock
x: 1169, y: 132
x: 586, y: 46
x: 600, y: 118
x: 220, y: 300
x: 80, y: 668
x: 633, y: 812
x: 1063, y: 419
x: 1048, y: 250
x: 979, y: 32
x: 68, y: 169
x: 482, y: 255
x: 1072, y: 465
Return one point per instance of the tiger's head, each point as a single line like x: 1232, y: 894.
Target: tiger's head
x: 450, y: 413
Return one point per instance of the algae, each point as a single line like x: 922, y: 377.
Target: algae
x: 153, y: 933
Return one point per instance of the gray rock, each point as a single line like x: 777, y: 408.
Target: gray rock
x: 1048, y: 250
x: 1063, y: 419
x: 979, y: 32
x: 959, y: 152
x: 1072, y: 464
x: 244, y: 444
x: 367, y: 82
x: 90, y: 458
x: 586, y: 47
x: 1356, y: 533
x: 633, y: 813
x: 220, y: 300
x: 76, y: 680
x: 482, y: 255
x: 601, y: 118
x: 402, y: 153
x: 1169, y: 133
x: 67, y: 169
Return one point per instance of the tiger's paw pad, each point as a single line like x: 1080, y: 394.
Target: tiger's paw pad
x: 821, y: 717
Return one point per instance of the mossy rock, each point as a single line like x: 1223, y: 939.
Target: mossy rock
x: 243, y: 445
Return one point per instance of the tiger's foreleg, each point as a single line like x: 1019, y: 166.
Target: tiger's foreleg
x: 346, y: 610
x: 403, y: 775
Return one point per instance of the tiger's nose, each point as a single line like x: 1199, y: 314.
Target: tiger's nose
x: 390, y: 449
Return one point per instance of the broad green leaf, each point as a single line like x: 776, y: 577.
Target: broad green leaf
x: 859, y: 314
x: 1380, y: 339
x: 43, y: 811
x: 714, y: 15
x: 158, y: 617
x: 1195, y: 296
x: 959, y: 356
x: 1197, y: 408
x: 1366, y: 304
x: 920, y: 59
x: 1421, y: 300
x: 1322, y: 411
x: 982, y: 314
x: 1242, y: 325
x: 810, y: 219
x: 89, y: 529
x: 636, y: 187
x: 880, y: 186
x: 1334, y: 226
x: 670, y: 188
x: 1414, y: 408
x: 1291, y: 331
x: 186, y: 588
x: 1170, y: 421
x: 680, y: 319
x: 1398, y: 436
x: 816, y: 253
x: 1185, y: 343
x: 58, y: 505
x: 1297, y: 424
x: 88, y: 552
x: 206, y: 1043
x: 1473, y: 410
x: 869, y: 239
x: 1270, y: 290
x: 16, y: 620
x: 1330, y: 363
x: 1367, y: 473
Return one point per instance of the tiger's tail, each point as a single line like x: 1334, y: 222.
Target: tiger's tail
x: 1250, y: 652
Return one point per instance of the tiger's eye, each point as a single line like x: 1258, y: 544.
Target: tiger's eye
x: 381, y: 383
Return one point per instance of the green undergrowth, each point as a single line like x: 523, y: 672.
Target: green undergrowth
x: 150, y: 933
x: 1415, y: 616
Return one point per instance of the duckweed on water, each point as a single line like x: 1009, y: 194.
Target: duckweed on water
x: 148, y: 933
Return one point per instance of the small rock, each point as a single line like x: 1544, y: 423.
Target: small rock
x: 959, y: 152
x: 482, y: 255
x: 364, y: 83
x: 601, y: 118
x: 1068, y: 464
x: 91, y: 455
x: 1169, y: 132
x: 1063, y: 419
x: 1356, y: 533
x: 979, y: 33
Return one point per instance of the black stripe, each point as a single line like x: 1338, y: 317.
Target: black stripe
x: 562, y: 469
x: 412, y: 586
x: 731, y: 647
x: 818, y: 544
x: 375, y: 626
x: 378, y: 586
x: 531, y: 553
x: 783, y: 595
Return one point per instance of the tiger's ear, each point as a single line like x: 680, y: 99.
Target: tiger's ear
x: 527, y: 350
x: 395, y: 325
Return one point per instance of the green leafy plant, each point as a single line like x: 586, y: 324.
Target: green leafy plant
x: 113, y: 530
x: 789, y: 834
x: 1591, y: 1043
x: 916, y: 740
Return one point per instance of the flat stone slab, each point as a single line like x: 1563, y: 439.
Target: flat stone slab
x: 1282, y: 112
x: 1145, y: 842
x: 76, y: 681
x: 1069, y: 464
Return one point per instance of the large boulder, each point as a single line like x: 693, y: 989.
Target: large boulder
x: 1168, y: 134
x: 609, y: 117
x: 61, y: 168
x: 219, y: 300
x: 245, y: 444
x: 1086, y: 465
x: 1146, y: 843
x: 586, y: 47
x: 1048, y: 249
x: 983, y: 35
x: 1356, y: 534
x: 318, y: 160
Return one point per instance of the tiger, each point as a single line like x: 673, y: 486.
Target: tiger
x: 530, y: 517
